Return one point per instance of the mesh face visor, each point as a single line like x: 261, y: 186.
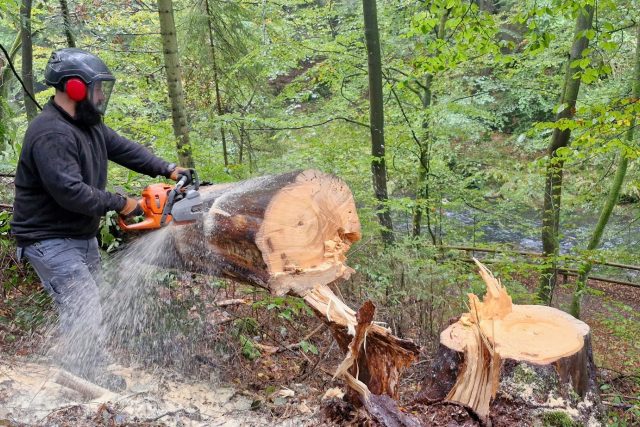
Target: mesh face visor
x: 99, y: 94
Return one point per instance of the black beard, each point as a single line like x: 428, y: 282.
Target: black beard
x: 87, y: 114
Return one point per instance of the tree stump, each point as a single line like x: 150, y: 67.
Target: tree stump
x: 289, y: 234
x: 515, y: 364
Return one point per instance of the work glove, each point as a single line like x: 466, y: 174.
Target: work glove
x: 131, y: 208
x: 179, y: 172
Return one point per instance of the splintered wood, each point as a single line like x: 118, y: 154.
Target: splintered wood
x: 500, y: 364
x: 479, y: 380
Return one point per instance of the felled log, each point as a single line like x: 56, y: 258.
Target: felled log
x: 281, y: 232
x: 289, y: 234
x: 506, y: 364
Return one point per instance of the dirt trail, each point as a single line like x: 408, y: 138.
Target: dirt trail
x: 30, y: 395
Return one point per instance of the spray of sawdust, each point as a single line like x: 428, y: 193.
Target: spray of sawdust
x: 250, y: 190
x: 148, y: 309
x: 146, y: 314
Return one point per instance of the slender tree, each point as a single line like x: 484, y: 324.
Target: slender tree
x: 6, y: 76
x: 27, y: 58
x: 423, y: 184
x: 64, y: 7
x: 554, y: 172
x: 376, y: 118
x: 614, y: 193
x: 174, y: 81
x: 216, y: 83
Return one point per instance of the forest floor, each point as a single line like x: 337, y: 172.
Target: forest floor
x: 275, y: 379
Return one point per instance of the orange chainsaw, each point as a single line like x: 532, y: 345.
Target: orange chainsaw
x: 162, y: 203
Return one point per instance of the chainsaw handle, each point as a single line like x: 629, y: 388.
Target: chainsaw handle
x: 148, y: 223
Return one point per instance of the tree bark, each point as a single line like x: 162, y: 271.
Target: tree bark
x: 560, y: 139
x: 27, y: 59
x: 283, y: 232
x: 502, y: 359
x: 174, y: 81
x: 376, y: 118
x: 289, y: 234
x: 64, y: 7
x: 614, y: 193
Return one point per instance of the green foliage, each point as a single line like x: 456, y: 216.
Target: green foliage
x: 622, y: 322
x: 108, y: 241
x: 287, y: 307
x: 249, y: 350
x: 308, y: 347
x: 243, y: 328
x: 558, y: 419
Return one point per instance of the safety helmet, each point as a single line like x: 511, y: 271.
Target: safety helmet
x: 81, y: 75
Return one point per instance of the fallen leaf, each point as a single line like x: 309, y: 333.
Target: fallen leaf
x: 303, y: 408
x: 285, y: 392
x: 333, y: 392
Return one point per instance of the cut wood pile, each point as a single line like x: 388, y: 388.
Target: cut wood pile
x: 500, y: 363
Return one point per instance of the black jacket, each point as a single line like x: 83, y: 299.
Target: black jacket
x: 62, y: 174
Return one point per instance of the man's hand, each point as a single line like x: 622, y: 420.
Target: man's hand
x: 179, y: 172
x: 131, y: 208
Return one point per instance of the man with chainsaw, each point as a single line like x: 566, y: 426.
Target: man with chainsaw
x: 60, y: 196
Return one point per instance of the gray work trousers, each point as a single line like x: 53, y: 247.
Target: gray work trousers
x: 70, y: 272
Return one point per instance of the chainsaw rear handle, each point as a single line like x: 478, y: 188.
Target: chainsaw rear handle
x: 149, y: 223
x: 152, y: 203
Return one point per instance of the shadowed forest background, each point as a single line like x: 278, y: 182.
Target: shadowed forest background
x: 500, y: 129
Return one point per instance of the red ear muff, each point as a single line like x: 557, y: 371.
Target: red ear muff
x: 76, y: 89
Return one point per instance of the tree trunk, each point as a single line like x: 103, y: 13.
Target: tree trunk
x: 216, y: 84
x: 560, y: 139
x: 424, y: 165
x: 27, y: 59
x: 6, y: 75
x: 614, y: 192
x: 289, y: 234
x: 64, y: 7
x: 502, y: 365
x: 376, y: 118
x: 174, y: 81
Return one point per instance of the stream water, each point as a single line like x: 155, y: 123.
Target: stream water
x: 520, y: 230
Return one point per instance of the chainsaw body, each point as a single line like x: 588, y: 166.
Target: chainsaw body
x: 162, y: 204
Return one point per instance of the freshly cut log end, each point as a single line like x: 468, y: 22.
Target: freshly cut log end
x: 307, y: 228
x: 532, y: 333
x: 505, y: 360
x: 287, y: 233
